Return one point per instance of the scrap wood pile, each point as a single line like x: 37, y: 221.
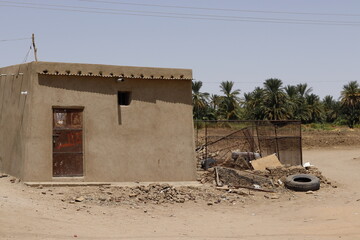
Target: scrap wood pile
x: 248, y: 157
x: 272, y: 179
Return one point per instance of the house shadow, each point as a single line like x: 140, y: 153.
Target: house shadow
x: 146, y: 90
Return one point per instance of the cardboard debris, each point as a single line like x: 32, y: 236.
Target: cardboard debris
x: 270, y: 161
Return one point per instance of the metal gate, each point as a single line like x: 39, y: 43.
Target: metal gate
x: 217, y: 140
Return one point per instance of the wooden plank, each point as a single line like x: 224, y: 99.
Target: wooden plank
x: 217, y: 179
x: 255, y: 189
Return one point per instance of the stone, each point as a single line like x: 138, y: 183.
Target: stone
x: 181, y: 200
x: 271, y: 196
x: 79, y: 199
x: 274, y: 196
x: 240, y: 192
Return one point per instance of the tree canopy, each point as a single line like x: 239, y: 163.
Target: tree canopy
x: 273, y: 101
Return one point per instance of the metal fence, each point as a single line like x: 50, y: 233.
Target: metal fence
x: 219, y: 139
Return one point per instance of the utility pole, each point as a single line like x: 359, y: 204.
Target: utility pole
x: 34, y: 47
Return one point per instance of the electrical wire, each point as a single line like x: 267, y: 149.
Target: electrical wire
x: 263, y: 82
x: 186, y: 14
x: 222, y: 9
x: 27, y: 55
x: 295, y: 21
x: 15, y: 39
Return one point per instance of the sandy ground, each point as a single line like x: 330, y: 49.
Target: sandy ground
x: 331, y: 213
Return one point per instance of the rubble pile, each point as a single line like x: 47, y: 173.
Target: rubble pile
x: 151, y: 194
x: 232, y: 177
x: 271, y: 179
x: 220, y: 185
x: 280, y: 173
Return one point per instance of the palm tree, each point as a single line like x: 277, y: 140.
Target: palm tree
x: 303, y: 89
x: 315, y: 107
x: 213, y: 107
x: 215, y: 101
x: 350, y: 103
x: 302, y: 111
x: 199, y: 100
x: 254, y: 104
x: 276, y: 105
x: 229, y: 103
x: 294, y: 99
x: 292, y: 92
x: 350, y: 94
x: 331, y: 108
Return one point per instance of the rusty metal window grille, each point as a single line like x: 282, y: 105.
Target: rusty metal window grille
x: 67, y: 142
x: 124, y: 98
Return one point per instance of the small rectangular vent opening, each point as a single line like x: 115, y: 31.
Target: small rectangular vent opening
x: 124, y: 98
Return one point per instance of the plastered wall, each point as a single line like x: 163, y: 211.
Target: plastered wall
x: 149, y: 140
x: 15, y: 82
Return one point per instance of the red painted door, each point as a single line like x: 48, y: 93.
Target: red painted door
x: 67, y: 142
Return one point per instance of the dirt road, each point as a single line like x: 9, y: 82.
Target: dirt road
x: 331, y: 213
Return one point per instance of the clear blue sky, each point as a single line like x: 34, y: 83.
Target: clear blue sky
x: 324, y: 56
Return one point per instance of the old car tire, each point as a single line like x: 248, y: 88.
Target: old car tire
x: 302, y: 182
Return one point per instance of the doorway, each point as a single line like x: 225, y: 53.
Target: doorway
x: 67, y: 142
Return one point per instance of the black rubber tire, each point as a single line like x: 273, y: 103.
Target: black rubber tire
x: 302, y: 182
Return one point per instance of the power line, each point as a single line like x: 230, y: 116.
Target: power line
x: 263, y: 82
x: 233, y: 82
x: 222, y: 9
x: 187, y: 14
x: 27, y: 55
x: 14, y: 39
x: 259, y: 20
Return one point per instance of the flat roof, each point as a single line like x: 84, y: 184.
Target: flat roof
x: 100, y: 70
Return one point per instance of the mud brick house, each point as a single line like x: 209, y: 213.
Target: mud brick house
x: 96, y: 123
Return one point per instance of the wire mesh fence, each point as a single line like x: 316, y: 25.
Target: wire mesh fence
x: 226, y: 140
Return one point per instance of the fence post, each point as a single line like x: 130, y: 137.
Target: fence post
x: 206, y: 137
x: 277, y: 143
x: 301, y: 154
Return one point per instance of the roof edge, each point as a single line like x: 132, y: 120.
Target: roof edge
x: 100, y: 70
